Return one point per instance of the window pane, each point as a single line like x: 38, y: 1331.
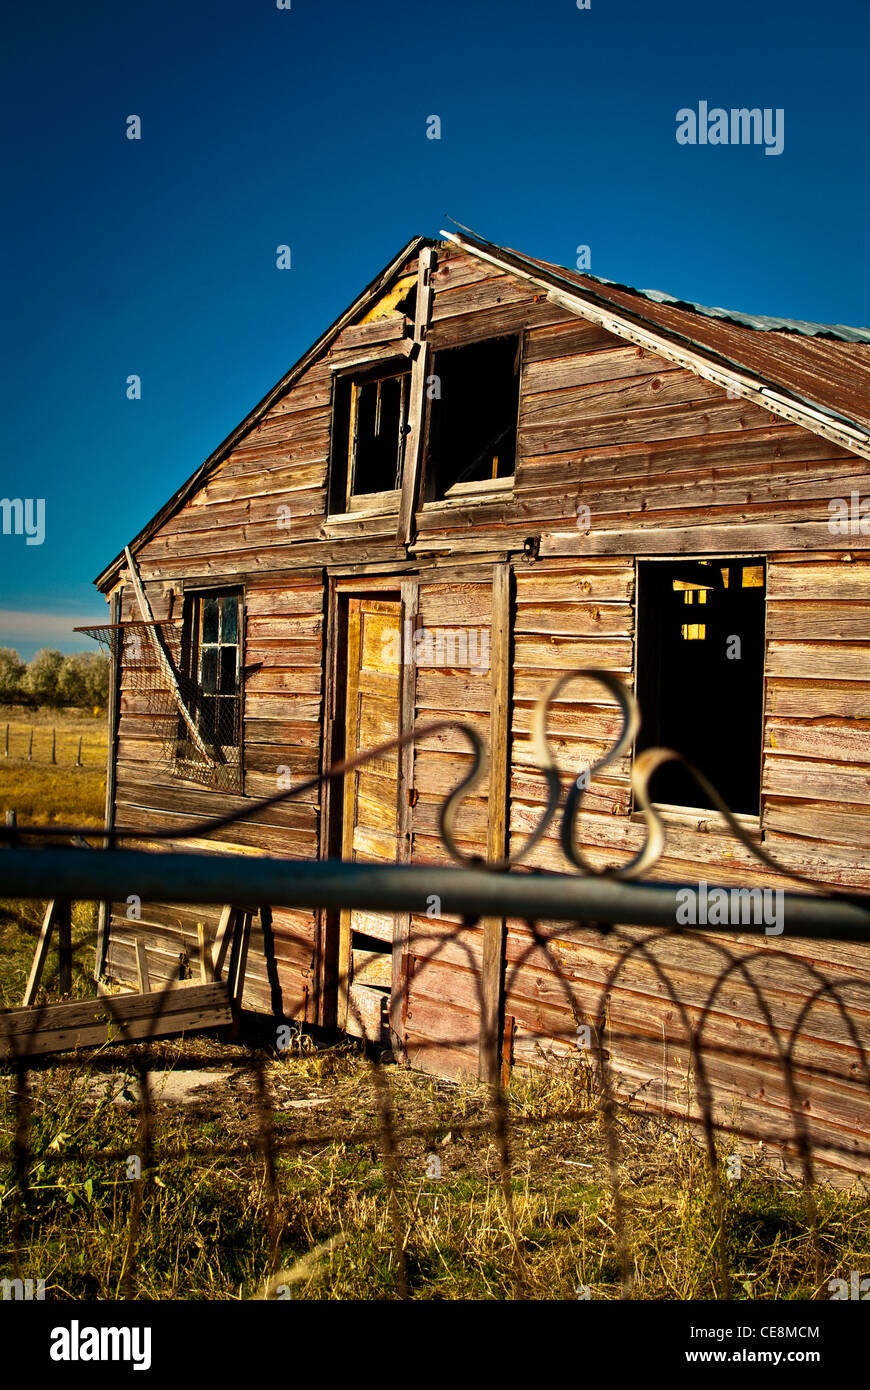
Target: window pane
x: 379, y: 434
x: 228, y: 670
x: 230, y: 620
x: 207, y: 720
x: 210, y: 613
x: 209, y: 669
x: 229, y: 723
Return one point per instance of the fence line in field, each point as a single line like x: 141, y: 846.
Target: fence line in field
x: 28, y: 733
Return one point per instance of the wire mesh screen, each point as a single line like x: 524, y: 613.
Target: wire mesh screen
x: 187, y: 676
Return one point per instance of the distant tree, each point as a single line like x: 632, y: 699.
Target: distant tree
x: 12, y: 670
x: 71, y: 682
x: 98, y: 679
x: 43, y: 674
x: 84, y: 680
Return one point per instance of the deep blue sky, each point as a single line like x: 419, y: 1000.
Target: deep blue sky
x: 308, y: 127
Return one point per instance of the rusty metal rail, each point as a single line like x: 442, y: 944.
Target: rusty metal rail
x: 83, y: 875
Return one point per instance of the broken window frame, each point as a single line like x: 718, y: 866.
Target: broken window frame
x: 227, y: 752
x: 694, y: 813
x: 343, y: 499
x: 462, y: 491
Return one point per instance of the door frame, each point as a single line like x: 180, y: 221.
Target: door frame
x: 402, y: 588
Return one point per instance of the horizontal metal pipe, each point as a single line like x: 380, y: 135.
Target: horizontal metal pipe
x: 88, y: 875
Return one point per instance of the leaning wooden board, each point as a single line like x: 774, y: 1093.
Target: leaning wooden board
x: 113, y: 1018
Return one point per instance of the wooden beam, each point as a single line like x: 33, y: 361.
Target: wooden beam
x: 41, y: 953
x: 349, y: 782
x: 239, y: 961
x: 163, y: 659
x: 206, y: 968
x: 492, y: 982
x: 226, y: 927
x: 417, y: 418
x: 331, y: 800
x: 507, y: 1049
x: 64, y: 946
x: 104, y: 917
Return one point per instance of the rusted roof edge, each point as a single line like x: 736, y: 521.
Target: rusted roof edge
x: 530, y: 268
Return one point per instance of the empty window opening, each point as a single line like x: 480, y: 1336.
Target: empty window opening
x: 370, y: 422
x: 211, y: 678
x: 700, y: 676
x: 474, y: 399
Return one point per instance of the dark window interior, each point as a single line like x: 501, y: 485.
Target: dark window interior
x: 472, y: 433
x: 370, y: 419
x: 211, y: 657
x: 693, y: 696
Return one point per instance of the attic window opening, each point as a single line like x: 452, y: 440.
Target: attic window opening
x: 472, y: 433
x: 370, y: 422
x: 700, y: 676
x: 211, y: 667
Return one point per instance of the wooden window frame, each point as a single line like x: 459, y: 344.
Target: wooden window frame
x: 192, y: 647
x: 343, y: 502
x: 703, y: 818
x: 485, y: 490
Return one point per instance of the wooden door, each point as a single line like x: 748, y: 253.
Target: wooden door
x: 370, y: 809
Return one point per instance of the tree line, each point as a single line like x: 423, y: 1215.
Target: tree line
x: 53, y: 679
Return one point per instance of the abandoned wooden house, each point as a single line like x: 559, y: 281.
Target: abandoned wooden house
x: 488, y: 471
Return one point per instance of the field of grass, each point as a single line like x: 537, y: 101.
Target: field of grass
x: 43, y: 793
x: 206, y: 1228
x: 58, y: 793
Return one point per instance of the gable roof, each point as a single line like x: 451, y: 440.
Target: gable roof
x: 824, y: 369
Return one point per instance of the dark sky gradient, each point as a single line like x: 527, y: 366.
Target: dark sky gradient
x: 308, y: 127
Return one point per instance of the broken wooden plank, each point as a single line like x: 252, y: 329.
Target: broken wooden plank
x: 367, y: 1013
x: 226, y: 927
x: 56, y: 915
x: 112, y: 1018
x: 417, y: 416
x: 142, y: 967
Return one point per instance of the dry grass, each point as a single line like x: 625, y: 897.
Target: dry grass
x: 205, y: 1225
